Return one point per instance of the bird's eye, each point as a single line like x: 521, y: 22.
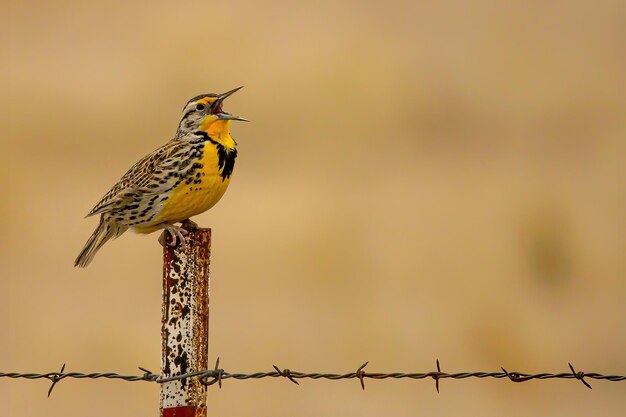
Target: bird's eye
x: 200, y: 107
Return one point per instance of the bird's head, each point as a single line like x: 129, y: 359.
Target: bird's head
x: 204, y: 113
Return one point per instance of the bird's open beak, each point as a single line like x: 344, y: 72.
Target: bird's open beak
x: 218, y: 106
x: 226, y: 116
x: 223, y: 96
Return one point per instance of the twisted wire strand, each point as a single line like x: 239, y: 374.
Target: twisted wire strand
x: 212, y: 376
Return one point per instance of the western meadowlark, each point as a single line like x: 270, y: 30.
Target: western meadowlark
x: 185, y: 177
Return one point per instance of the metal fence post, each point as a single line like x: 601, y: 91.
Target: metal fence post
x: 185, y: 324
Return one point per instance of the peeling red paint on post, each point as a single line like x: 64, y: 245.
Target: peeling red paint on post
x: 185, y: 324
x: 184, y: 411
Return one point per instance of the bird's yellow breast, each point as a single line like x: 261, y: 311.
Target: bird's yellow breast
x: 198, y: 192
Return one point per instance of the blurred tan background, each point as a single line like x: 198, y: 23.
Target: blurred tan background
x: 421, y: 180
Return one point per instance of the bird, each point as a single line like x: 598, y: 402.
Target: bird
x: 184, y: 177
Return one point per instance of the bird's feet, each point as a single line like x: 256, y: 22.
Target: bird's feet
x: 177, y: 235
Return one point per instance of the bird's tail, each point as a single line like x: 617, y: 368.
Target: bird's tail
x: 106, y: 230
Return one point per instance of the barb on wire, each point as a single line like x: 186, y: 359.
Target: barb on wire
x: 55, y: 378
x: 361, y: 374
x: 147, y: 376
x: 217, y: 375
x: 516, y: 376
x: 436, y: 376
x: 286, y: 373
x: 579, y: 375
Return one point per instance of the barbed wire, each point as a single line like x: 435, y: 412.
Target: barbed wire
x: 217, y: 375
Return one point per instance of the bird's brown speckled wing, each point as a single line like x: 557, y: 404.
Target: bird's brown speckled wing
x: 146, y: 177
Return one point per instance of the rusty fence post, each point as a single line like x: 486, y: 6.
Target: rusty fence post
x: 185, y: 324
